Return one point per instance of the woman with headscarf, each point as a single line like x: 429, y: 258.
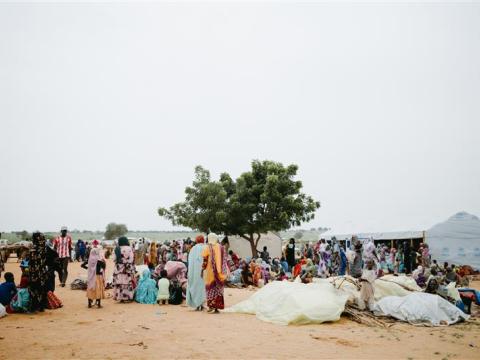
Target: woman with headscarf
x: 146, y: 292
x: 309, y: 270
x: 407, y: 260
x: 96, y: 275
x: 52, y: 262
x: 21, y: 301
x: 38, y: 274
x: 124, y: 273
x: 257, y: 271
x: 214, y: 273
x: 290, y: 254
x: 196, y: 286
x: 177, y: 272
x: 153, y: 253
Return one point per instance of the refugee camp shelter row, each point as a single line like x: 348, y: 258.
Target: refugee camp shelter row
x: 390, y: 239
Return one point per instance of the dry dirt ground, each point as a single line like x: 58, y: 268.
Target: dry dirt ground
x: 176, y: 332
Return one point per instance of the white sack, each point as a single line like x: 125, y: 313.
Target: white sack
x: 282, y: 302
x: 3, y: 312
x: 420, y: 308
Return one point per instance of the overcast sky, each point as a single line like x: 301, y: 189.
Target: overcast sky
x: 106, y: 109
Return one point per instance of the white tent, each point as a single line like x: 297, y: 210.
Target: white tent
x: 242, y: 247
x: 456, y: 240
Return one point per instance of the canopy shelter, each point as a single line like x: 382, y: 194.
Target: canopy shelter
x: 391, y: 238
x: 456, y: 240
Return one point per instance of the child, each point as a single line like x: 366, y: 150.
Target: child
x: 367, y: 280
x: 7, y: 289
x: 96, y: 276
x: 163, y: 288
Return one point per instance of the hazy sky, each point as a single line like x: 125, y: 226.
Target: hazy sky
x: 106, y: 109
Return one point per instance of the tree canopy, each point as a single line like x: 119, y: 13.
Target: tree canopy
x: 114, y: 231
x: 266, y: 198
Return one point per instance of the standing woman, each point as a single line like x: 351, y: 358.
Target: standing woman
x: 153, y: 253
x: 124, y: 273
x: 53, y: 265
x: 290, y: 254
x: 96, y: 276
x: 214, y: 273
x: 38, y: 274
x: 196, y: 286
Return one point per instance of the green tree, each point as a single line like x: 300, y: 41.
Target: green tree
x: 266, y: 198
x: 114, y: 230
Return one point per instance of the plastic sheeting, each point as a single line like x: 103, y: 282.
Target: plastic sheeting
x: 284, y: 303
x: 402, y: 280
x: 420, y: 308
x: 383, y: 287
x: 456, y: 240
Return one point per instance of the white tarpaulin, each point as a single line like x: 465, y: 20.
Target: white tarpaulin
x: 383, y: 287
x: 456, y: 240
x: 420, y: 308
x: 3, y: 312
x: 284, y: 303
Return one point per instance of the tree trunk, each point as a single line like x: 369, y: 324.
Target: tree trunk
x: 251, y: 240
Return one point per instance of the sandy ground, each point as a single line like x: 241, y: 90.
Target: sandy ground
x: 152, y: 331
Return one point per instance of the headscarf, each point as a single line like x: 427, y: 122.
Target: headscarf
x: 212, y: 238
x: 95, y: 242
x: 122, y: 241
x: 96, y: 254
x: 200, y: 239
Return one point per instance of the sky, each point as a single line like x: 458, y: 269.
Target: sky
x: 105, y: 109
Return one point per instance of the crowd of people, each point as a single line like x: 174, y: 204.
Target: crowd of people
x: 198, y: 270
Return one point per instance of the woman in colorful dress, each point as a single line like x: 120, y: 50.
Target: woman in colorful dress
x: 124, y: 273
x: 153, y: 253
x: 214, y: 273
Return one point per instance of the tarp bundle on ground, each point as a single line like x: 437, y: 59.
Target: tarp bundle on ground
x: 284, y: 303
x: 384, y: 286
x: 420, y: 308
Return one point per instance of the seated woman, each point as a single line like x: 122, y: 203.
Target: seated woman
x: 308, y: 272
x: 7, y: 289
x: 21, y: 301
x: 146, y: 292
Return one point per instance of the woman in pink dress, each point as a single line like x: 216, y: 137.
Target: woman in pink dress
x: 124, y: 273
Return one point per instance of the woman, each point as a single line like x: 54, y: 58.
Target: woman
x: 96, y: 276
x: 146, y: 292
x: 214, y: 273
x: 38, y: 274
x: 153, y: 253
x: 21, y: 301
x: 177, y: 272
x: 124, y: 273
x: 257, y: 272
x: 196, y: 287
x: 52, y: 263
x: 290, y: 254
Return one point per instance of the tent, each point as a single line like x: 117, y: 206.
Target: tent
x: 272, y: 241
x: 456, y: 240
